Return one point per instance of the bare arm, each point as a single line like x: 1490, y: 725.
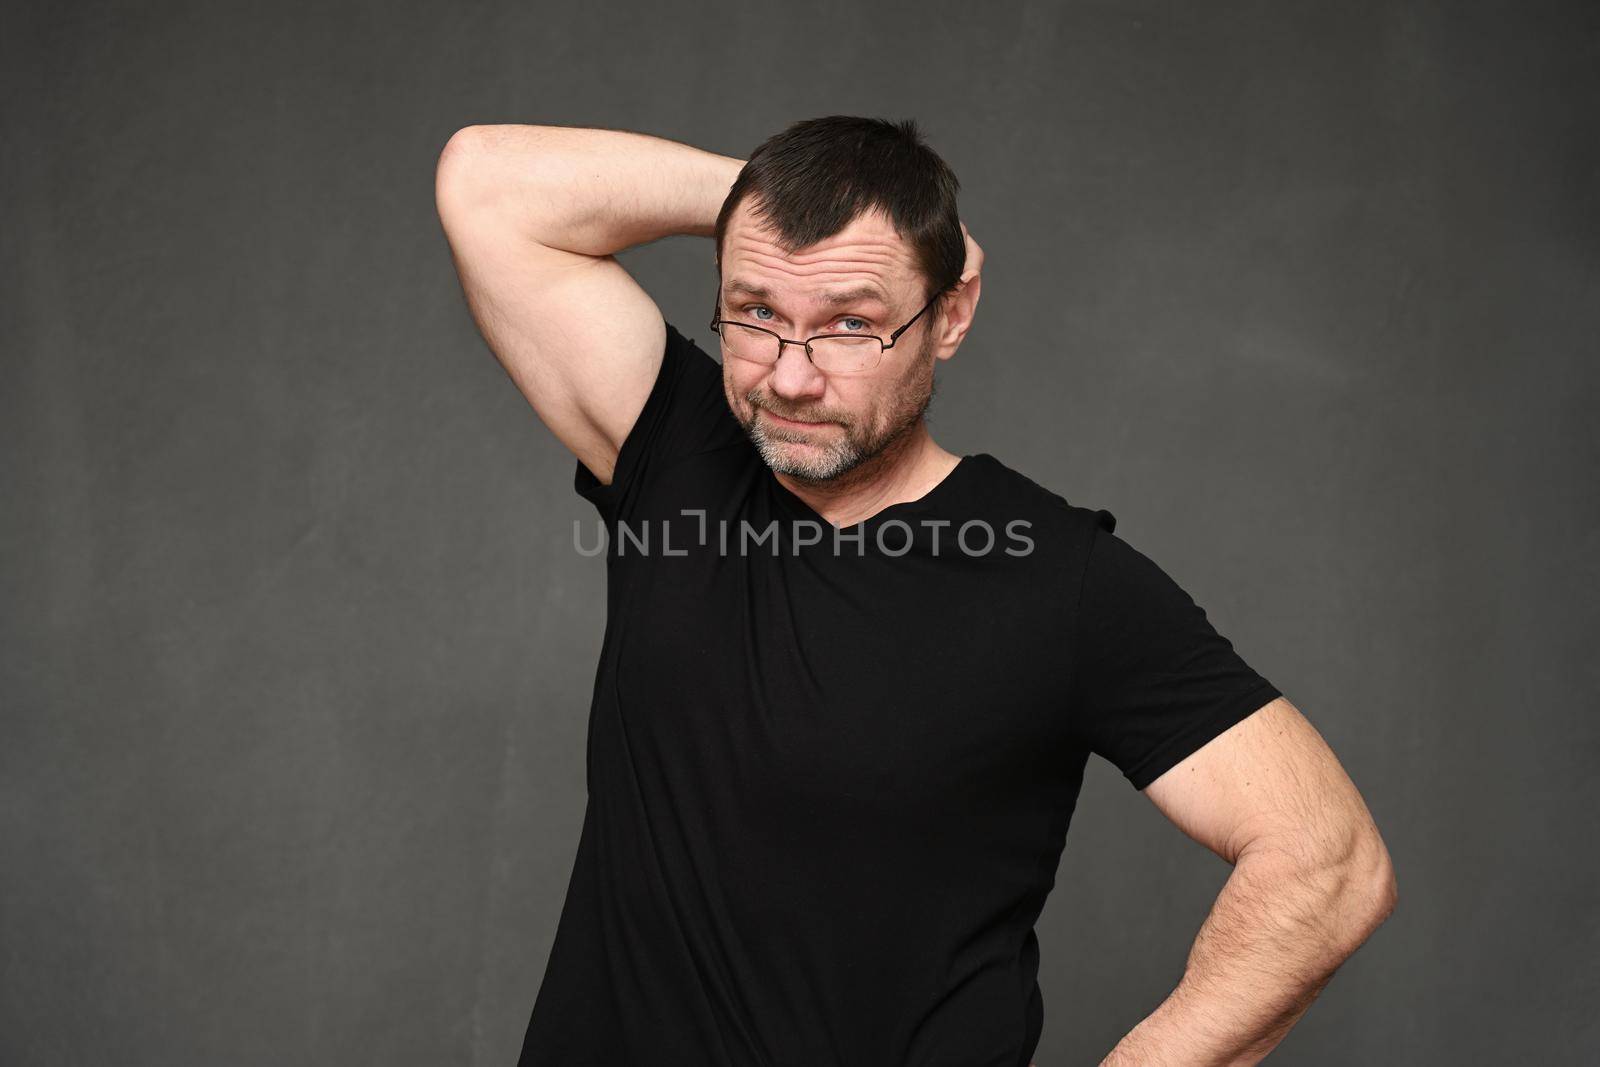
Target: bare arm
x: 534, y: 216
x: 1312, y: 880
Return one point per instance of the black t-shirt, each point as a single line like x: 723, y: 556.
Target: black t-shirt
x: 830, y: 776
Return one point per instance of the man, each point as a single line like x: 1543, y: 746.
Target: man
x: 850, y: 680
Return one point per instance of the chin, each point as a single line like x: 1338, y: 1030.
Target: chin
x: 805, y: 462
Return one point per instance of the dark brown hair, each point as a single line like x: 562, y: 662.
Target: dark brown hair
x: 818, y: 175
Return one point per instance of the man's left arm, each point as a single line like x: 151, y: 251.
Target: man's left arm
x: 1312, y: 880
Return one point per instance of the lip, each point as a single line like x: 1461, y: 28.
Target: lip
x: 790, y: 422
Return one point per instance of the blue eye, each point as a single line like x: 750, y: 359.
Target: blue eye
x: 865, y: 324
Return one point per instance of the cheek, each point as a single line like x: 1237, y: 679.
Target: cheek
x: 907, y: 390
x: 739, y: 379
x: 861, y: 401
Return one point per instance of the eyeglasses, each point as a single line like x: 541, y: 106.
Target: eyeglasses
x: 834, y: 353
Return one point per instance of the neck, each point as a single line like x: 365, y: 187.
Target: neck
x: 907, y: 470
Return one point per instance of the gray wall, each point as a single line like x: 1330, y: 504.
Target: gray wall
x: 295, y: 653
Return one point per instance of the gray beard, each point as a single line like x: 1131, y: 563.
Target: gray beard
x: 838, y: 455
x: 823, y: 461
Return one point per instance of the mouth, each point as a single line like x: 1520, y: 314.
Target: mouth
x: 796, y: 423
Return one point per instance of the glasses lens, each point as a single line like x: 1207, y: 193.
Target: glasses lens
x: 846, y: 355
x: 748, y: 343
x: 836, y: 355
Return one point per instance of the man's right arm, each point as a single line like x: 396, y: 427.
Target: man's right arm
x: 534, y: 216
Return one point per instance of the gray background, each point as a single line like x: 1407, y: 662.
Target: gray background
x: 295, y: 651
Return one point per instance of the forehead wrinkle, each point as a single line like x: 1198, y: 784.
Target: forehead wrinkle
x: 875, y: 254
x: 849, y: 275
x: 856, y: 294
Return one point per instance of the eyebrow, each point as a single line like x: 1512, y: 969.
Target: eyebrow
x: 838, y: 298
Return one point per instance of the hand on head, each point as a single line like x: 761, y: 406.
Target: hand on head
x: 974, y: 263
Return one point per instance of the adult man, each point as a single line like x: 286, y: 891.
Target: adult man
x: 830, y: 777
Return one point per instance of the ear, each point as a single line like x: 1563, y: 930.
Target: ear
x: 956, y: 319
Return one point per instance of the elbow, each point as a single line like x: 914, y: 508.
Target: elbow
x: 1372, y: 889
x: 452, y: 175
x: 466, y: 144
x: 1385, y: 888
x: 1388, y: 892
x: 488, y: 170
x: 1350, y: 888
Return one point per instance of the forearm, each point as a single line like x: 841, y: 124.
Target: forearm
x: 1278, y: 931
x: 590, y: 191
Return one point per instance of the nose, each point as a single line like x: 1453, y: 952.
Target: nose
x: 795, y: 377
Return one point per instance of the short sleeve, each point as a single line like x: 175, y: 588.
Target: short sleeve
x: 685, y: 413
x: 1153, y: 681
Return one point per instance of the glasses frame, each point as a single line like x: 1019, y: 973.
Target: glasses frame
x: 717, y: 320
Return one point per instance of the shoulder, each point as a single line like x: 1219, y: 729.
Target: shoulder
x: 1001, y: 490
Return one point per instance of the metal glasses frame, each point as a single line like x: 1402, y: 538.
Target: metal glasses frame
x: 717, y: 320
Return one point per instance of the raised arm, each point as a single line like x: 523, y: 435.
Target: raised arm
x: 534, y: 216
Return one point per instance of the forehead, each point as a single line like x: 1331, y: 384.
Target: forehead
x: 833, y: 296
x: 866, y: 261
